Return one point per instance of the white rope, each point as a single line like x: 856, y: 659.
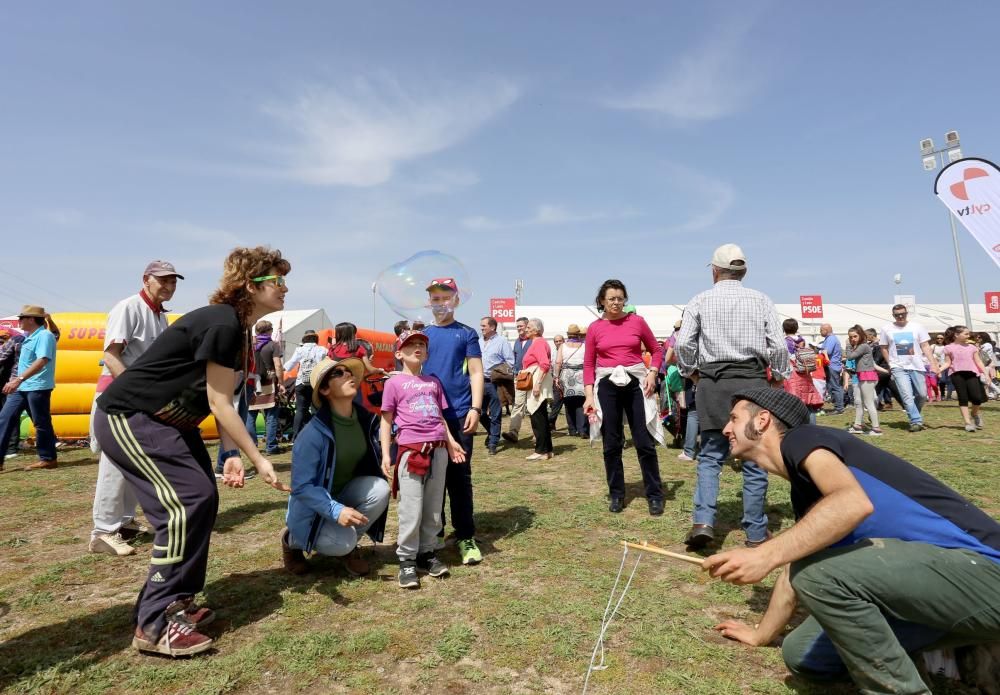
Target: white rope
x: 609, y: 615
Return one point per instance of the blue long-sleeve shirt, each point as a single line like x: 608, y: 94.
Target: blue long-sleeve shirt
x: 495, y: 351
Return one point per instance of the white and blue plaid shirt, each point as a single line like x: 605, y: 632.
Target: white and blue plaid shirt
x: 731, y: 323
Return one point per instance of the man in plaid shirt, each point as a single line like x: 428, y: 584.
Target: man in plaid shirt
x: 730, y: 340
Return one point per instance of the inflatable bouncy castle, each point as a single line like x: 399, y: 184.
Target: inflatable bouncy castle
x: 79, y: 360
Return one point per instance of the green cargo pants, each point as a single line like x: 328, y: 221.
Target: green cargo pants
x: 872, y: 603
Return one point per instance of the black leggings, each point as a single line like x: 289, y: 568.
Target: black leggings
x: 969, y: 388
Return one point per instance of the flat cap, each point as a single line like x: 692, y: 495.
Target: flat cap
x: 781, y: 404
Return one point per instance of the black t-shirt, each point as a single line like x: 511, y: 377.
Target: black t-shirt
x: 265, y: 362
x: 910, y: 504
x: 168, y: 380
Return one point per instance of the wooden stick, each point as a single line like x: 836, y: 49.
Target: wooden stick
x: 646, y: 547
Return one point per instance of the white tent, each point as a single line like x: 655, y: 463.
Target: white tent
x: 295, y: 322
x: 661, y: 317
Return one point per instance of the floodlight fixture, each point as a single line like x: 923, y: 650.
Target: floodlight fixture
x: 929, y: 163
x: 954, y: 154
x: 951, y: 139
x: 926, y: 146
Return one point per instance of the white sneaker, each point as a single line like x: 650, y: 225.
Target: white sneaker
x: 11, y: 456
x: 684, y: 457
x: 978, y: 422
x: 110, y: 544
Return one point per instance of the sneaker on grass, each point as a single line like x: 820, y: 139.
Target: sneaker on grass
x: 408, y: 578
x: 428, y: 562
x: 978, y: 421
x: 110, y: 544
x: 176, y: 640
x: 470, y: 552
x: 854, y: 429
x: 133, y: 528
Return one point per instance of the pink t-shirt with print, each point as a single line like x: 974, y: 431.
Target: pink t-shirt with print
x: 416, y: 403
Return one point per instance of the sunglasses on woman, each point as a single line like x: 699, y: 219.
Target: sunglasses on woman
x: 279, y: 280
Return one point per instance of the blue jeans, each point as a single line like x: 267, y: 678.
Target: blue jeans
x: 691, y: 434
x: 37, y: 403
x: 367, y: 494
x: 912, y: 391
x: 492, y: 414
x: 271, y: 433
x: 835, y: 387
x: 714, y: 450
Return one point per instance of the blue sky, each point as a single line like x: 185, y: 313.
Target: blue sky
x: 560, y: 143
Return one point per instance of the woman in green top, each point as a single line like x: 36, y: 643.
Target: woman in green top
x: 338, y: 490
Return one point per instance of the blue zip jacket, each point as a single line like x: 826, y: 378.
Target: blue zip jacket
x: 314, y: 459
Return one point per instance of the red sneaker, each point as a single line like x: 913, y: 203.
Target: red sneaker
x: 192, y: 614
x: 177, y: 639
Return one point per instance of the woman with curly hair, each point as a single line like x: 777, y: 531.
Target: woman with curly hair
x: 147, y: 423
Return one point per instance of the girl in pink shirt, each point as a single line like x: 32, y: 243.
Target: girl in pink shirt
x: 962, y: 357
x: 616, y: 340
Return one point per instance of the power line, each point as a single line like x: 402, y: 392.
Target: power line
x: 46, y: 289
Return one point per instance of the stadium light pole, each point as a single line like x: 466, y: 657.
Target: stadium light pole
x: 953, y: 151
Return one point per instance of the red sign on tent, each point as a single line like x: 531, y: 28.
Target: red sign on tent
x: 812, y: 306
x: 503, y: 308
x: 993, y: 302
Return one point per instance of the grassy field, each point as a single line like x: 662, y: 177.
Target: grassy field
x: 523, y: 621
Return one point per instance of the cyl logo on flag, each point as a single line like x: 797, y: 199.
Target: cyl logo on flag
x: 970, y: 188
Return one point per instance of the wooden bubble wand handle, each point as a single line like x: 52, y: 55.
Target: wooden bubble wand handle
x: 660, y: 551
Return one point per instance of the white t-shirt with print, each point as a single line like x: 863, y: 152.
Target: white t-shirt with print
x: 904, y: 345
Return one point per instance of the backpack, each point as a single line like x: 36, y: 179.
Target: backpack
x: 986, y: 355
x: 805, y: 359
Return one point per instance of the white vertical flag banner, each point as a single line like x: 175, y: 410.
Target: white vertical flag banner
x: 970, y: 188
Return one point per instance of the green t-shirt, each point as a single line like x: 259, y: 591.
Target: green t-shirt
x: 351, y: 448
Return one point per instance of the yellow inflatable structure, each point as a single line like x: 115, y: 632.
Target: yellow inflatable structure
x: 79, y: 355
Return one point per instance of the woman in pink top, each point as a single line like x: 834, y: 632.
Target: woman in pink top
x: 616, y: 340
x: 538, y: 359
x: 962, y: 357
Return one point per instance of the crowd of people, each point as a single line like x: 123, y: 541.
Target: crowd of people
x: 887, y: 560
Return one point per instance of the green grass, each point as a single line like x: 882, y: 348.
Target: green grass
x: 523, y: 621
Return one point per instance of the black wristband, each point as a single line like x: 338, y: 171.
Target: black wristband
x: 232, y: 453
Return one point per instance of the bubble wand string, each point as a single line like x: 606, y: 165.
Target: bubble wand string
x: 606, y: 620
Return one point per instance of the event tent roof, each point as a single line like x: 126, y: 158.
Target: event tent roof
x: 294, y: 323
x: 661, y: 317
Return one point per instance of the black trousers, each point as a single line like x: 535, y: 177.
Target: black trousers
x: 303, y: 405
x: 627, y: 401
x: 540, y: 428
x: 576, y: 419
x: 969, y: 388
x: 171, y: 473
x: 458, y: 484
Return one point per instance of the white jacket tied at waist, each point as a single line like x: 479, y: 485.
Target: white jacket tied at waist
x: 620, y: 376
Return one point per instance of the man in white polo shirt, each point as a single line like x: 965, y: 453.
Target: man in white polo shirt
x: 133, y: 324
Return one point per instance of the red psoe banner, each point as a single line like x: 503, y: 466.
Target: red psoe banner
x: 811, y: 305
x: 970, y: 188
x: 503, y: 308
x: 993, y: 302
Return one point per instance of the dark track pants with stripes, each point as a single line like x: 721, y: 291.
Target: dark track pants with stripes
x: 171, y: 472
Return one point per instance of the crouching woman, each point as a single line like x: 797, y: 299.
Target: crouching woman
x: 338, y: 490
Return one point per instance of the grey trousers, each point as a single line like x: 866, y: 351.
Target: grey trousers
x: 518, y: 412
x: 366, y: 493
x: 864, y: 399
x: 421, y: 499
x: 114, y: 499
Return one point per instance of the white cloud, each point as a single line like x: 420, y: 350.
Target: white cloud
x: 358, y: 135
x: 717, y: 78
x: 546, y: 214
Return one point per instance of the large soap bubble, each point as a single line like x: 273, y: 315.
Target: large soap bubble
x: 403, y: 285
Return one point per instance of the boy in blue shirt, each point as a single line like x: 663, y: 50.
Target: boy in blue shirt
x: 455, y: 359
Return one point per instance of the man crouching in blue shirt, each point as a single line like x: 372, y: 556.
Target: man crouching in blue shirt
x: 888, y: 560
